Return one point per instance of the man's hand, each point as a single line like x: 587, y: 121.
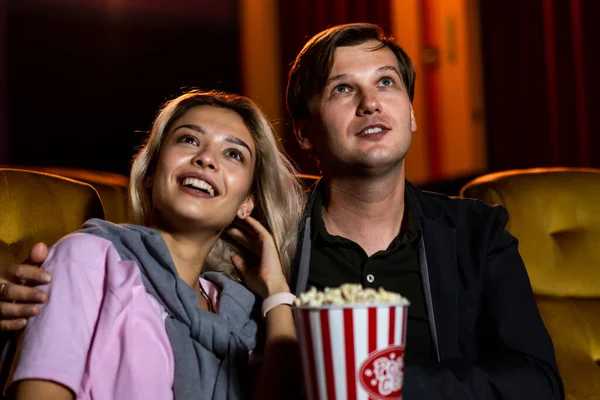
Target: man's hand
x: 18, y: 301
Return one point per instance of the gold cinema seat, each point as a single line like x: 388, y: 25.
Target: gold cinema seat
x: 555, y: 215
x: 37, y: 207
x: 112, y: 188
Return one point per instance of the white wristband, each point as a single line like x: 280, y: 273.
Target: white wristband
x: 275, y: 300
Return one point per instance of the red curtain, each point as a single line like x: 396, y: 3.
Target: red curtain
x: 541, y: 91
x: 3, y: 107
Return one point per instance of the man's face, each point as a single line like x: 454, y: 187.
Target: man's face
x: 363, y: 119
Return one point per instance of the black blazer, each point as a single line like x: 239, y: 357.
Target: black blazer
x: 488, y: 335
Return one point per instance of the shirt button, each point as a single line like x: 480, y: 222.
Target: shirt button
x: 370, y: 278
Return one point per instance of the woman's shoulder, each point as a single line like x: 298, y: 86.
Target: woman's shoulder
x: 92, y: 244
x: 92, y: 236
x: 103, y: 228
x: 80, y: 246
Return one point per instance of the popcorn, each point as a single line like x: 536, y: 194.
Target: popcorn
x: 348, y: 293
x: 352, y: 342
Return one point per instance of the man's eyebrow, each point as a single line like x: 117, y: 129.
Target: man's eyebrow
x: 385, y: 68
x: 389, y: 68
x: 229, y: 138
x: 335, y: 78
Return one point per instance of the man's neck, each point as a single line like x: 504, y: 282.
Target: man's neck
x: 366, y: 210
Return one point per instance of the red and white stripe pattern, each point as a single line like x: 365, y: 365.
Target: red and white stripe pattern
x: 337, y: 342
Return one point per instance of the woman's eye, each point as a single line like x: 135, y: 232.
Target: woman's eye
x: 235, y: 154
x: 188, y: 139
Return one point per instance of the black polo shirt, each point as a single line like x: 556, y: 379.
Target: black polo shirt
x: 336, y: 260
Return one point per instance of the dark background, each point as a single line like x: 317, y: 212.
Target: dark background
x: 81, y: 81
x: 85, y: 83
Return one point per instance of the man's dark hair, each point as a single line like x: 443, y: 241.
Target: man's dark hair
x: 313, y: 65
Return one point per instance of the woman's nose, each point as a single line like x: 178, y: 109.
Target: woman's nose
x: 206, y: 159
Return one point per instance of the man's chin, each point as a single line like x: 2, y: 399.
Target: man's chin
x: 382, y: 159
x: 368, y: 167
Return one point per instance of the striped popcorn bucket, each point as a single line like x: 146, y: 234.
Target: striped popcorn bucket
x: 352, y: 351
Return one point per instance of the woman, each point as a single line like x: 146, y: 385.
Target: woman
x: 153, y: 310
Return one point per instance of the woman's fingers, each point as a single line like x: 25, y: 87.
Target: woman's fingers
x: 240, y: 264
x: 255, y: 226
x: 265, y: 276
x: 251, y: 276
x: 241, y: 238
x: 250, y: 233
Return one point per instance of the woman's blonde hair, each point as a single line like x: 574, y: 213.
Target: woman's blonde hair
x: 278, y: 195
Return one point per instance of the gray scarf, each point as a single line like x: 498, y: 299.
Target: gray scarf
x: 210, y: 350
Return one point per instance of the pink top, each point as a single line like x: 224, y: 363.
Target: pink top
x: 101, y: 334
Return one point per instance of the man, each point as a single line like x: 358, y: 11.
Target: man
x: 474, y: 331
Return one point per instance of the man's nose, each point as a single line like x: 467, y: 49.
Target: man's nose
x: 369, y: 103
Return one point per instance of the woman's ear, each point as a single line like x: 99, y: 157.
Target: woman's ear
x: 301, y: 130
x: 148, y: 181
x: 246, y: 208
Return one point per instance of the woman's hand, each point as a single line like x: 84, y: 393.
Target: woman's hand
x: 261, y: 271
x: 17, y: 301
x: 260, y: 268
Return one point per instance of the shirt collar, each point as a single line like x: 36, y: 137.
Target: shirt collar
x: 409, y: 231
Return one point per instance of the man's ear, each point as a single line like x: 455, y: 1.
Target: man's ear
x: 246, y: 208
x: 301, y: 130
x: 413, y: 120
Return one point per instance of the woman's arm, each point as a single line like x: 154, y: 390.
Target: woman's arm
x: 54, y: 350
x: 280, y: 375
x: 39, y: 390
x: 280, y: 372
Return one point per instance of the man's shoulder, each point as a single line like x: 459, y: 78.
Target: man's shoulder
x: 457, y: 204
x: 459, y: 210
x: 476, y: 224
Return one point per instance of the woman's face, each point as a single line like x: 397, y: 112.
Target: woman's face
x: 204, y: 171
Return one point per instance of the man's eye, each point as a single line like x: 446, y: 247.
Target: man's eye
x: 341, y: 89
x: 387, y: 81
x: 235, y: 154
